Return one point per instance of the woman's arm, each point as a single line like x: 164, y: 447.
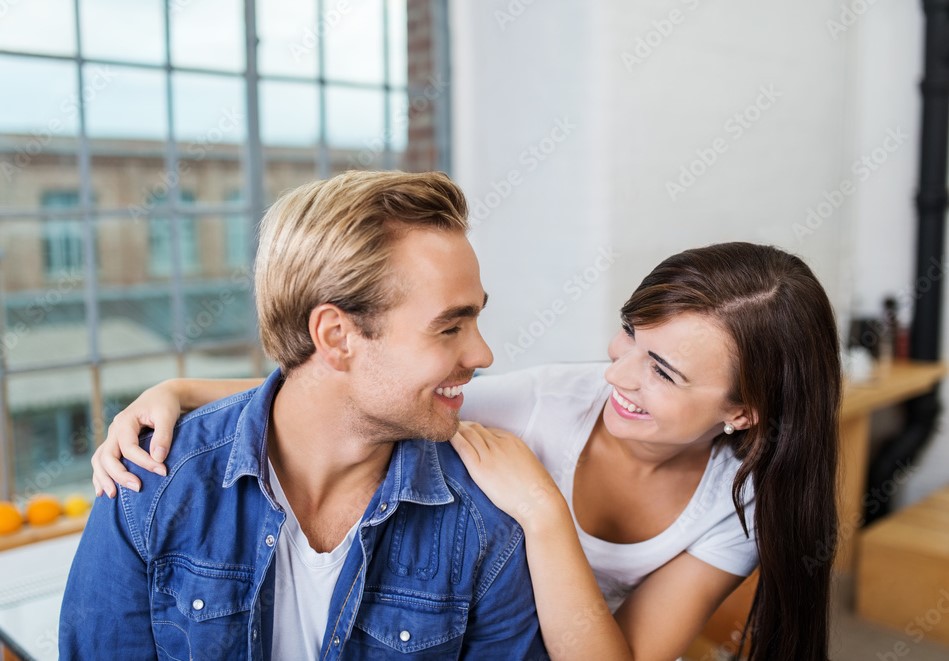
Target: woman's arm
x: 669, y: 609
x: 574, y: 618
x: 658, y: 621
x: 159, y: 408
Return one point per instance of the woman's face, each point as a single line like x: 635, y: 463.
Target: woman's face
x: 671, y: 382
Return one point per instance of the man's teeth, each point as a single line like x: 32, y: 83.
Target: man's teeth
x: 626, y: 404
x: 450, y: 392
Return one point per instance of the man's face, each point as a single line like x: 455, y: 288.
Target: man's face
x: 407, y: 381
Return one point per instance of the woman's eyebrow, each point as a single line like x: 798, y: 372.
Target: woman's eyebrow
x: 662, y: 361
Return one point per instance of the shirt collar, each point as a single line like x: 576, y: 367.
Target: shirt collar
x: 249, y: 452
x: 414, y: 475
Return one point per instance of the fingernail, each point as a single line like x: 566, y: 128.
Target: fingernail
x: 160, y: 470
x: 159, y: 454
x: 131, y: 485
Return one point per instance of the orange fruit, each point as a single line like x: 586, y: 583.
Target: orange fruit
x: 10, y: 518
x: 42, y: 510
x: 76, y: 505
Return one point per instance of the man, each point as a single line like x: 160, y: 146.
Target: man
x: 294, y: 522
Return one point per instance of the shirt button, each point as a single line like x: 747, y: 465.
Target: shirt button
x: 197, y: 604
x: 404, y: 636
x: 336, y: 640
x: 383, y: 507
x: 253, y: 633
x: 271, y: 540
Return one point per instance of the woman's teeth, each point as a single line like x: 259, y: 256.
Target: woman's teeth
x: 626, y: 404
x: 450, y: 392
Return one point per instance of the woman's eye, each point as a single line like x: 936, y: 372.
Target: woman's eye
x: 657, y: 370
x: 629, y: 330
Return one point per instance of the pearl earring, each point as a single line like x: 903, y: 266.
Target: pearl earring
x: 729, y: 428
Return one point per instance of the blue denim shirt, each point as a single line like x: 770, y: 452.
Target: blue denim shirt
x: 185, y: 569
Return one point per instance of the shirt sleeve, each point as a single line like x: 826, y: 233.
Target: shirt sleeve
x: 506, y: 401
x: 105, y: 611
x: 725, y: 547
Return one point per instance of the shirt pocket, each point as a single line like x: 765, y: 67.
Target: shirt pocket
x: 394, y: 625
x: 201, y: 612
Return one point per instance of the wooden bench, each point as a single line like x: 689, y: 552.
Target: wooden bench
x: 903, y: 570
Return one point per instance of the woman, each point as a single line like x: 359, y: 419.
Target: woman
x: 710, y: 446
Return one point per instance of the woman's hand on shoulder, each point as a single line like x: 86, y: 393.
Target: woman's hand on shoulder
x: 157, y: 408
x: 509, y: 474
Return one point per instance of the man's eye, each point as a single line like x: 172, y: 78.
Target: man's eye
x: 628, y: 328
x: 452, y: 331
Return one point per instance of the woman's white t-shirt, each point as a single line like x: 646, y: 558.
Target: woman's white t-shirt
x: 554, y: 408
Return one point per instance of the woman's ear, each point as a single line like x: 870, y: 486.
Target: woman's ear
x: 742, y: 417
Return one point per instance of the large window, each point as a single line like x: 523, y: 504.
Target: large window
x: 140, y: 142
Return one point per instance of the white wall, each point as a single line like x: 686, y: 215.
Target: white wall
x: 646, y: 89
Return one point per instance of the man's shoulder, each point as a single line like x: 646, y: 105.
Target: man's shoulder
x: 204, y: 429
x: 470, y: 494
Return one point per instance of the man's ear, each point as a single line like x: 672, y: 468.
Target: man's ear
x: 331, y: 332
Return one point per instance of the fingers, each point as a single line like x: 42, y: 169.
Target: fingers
x: 161, y: 441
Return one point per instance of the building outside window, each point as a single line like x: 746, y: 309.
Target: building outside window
x: 133, y: 177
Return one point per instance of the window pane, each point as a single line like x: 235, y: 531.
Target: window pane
x: 208, y: 34
x: 134, y: 303
x: 209, y: 110
x: 398, y: 120
x: 50, y: 109
x: 355, y: 117
x: 140, y: 39
x: 289, y: 113
x: 52, y: 431
x: 219, y: 308
x: 287, y: 168
x: 43, y: 292
x: 38, y: 27
x: 124, y: 381
x: 227, y: 364
x: 398, y: 48
x: 287, y: 34
x: 128, y: 104
x: 354, y: 44
x: 210, y: 125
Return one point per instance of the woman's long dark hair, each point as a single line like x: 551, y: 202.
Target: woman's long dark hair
x: 788, y: 373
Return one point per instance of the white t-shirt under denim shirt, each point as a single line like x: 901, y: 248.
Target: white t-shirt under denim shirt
x: 305, y: 580
x: 554, y: 408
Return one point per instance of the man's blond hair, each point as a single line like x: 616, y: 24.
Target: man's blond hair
x: 329, y: 242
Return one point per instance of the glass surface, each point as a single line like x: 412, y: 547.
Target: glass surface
x: 208, y: 34
x: 210, y: 127
x: 135, y: 313
x: 209, y: 110
x: 125, y: 380
x: 127, y: 103
x: 43, y: 289
x: 218, y: 308
x: 50, y: 110
x: 354, y: 41
x: 141, y: 37
x: 289, y: 113
x: 398, y: 42
x: 398, y: 121
x: 31, y: 26
x: 230, y: 363
x: 53, y: 437
x: 354, y: 117
x: 288, y: 37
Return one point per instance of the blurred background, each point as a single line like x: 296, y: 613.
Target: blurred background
x: 141, y: 141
